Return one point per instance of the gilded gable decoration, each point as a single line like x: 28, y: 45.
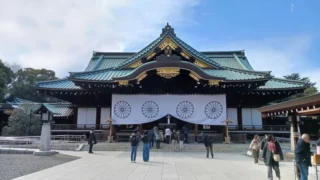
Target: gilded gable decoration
x: 201, y: 64
x: 136, y: 64
x: 168, y: 73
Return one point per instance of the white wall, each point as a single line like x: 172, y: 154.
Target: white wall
x: 105, y: 115
x: 87, y: 116
x: 251, y: 117
x: 232, y: 115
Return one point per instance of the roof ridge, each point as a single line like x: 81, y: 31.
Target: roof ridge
x: 290, y: 80
x: 53, y: 80
x: 236, y: 57
x: 250, y: 71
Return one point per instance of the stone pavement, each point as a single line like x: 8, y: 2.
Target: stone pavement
x: 162, y: 166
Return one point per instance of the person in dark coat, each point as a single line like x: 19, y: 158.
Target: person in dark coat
x: 91, y: 140
x: 185, y: 133
x: 303, y: 156
x: 263, y: 142
x: 207, y: 141
x: 151, y: 137
x: 272, y: 147
x: 134, y: 142
x: 146, y: 146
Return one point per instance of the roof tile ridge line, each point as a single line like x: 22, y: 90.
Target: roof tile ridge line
x: 246, y: 59
x: 99, y: 62
x: 290, y: 80
x: 94, y: 71
x: 207, y: 61
x: 236, y: 57
x: 53, y: 80
x: 250, y: 71
x: 231, y: 51
x: 125, y: 63
x: 100, y: 52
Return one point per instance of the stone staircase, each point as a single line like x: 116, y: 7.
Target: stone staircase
x: 194, y: 147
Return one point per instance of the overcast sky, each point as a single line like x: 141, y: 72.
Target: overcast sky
x: 277, y: 36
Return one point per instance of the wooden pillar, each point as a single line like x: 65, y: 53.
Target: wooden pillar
x: 239, y: 116
x: 196, y: 132
x: 98, y: 118
x: 294, y: 135
x: 75, y: 115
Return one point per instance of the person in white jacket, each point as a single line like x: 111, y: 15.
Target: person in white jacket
x: 168, y: 135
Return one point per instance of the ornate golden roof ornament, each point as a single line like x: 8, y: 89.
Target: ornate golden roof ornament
x: 214, y: 82
x: 141, y: 77
x: 168, y: 42
x: 136, y: 64
x: 201, y: 64
x: 123, y: 82
x: 151, y: 55
x: 168, y: 73
x: 194, y: 76
x: 185, y: 55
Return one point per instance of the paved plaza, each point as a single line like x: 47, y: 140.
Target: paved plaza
x: 163, y: 165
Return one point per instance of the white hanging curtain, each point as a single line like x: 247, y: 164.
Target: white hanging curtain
x: 197, y: 109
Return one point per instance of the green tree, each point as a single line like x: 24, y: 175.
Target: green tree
x: 23, y: 122
x: 6, y: 76
x: 24, y: 85
x: 311, y: 90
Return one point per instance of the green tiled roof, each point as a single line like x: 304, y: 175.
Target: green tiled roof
x: 101, y: 61
x: 58, y: 84
x: 195, y: 52
x: 143, y: 52
x: 102, y: 75
x: 231, y: 61
x: 277, y: 83
x: 229, y: 74
x: 236, y: 75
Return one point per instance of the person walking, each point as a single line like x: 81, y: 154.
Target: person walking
x: 174, y: 140
x: 134, y: 141
x: 168, y: 133
x: 151, y: 137
x: 91, y: 140
x: 263, y: 142
x: 185, y: 133
x: 207, y: 141
x: 303, y: 156
x: 181, y: 141
x: 255, y: 148
x: 158, y: 138
x: 272, y: 154
x: 146, y: 146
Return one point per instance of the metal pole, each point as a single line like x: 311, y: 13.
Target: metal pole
x: 30, y: 122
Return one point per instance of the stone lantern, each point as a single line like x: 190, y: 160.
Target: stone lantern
x: 46, y: 111
x: 227, y: 138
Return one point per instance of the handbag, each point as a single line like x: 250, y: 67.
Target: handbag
x: 249, y: 153
x: 276, y: 157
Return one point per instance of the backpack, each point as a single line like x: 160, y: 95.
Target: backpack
x: 134, y: 140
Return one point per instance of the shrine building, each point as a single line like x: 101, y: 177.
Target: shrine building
x: 168, y: 83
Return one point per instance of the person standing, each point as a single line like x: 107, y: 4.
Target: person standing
x: 146, y: 146
x: 185, y: 133
x: 255, y: 148
x: 174, y: 140
x: 158, y: 138
x: 271, y: 150
x: 151, y: 137
x: 207, y: 141
x: 168, y: 133
x: 303, y: 156
x: 91, y: 140
x: 181, y: 141
x: 134, y: 141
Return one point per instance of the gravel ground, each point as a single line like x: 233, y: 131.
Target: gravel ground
x: 16, y: 165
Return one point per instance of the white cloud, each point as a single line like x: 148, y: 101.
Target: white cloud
x: 61, y: 35
x: 282, y: 56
